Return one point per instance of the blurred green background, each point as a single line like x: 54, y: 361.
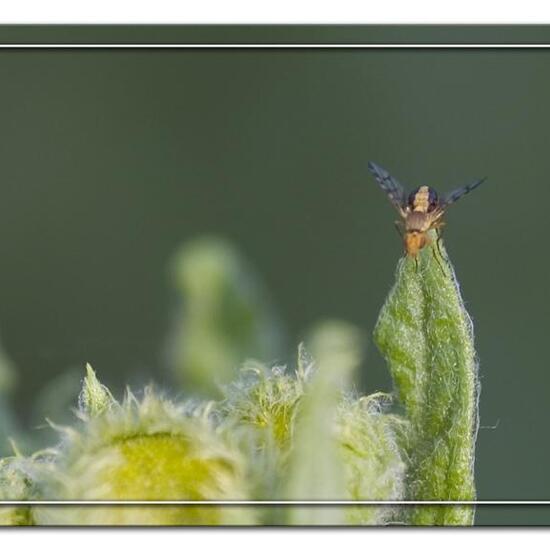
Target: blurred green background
x: 111, y: 159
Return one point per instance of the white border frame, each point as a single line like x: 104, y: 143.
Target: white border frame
x: 199, y: 46
x: 269, y: 502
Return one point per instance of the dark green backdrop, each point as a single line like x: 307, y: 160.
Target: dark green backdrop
x: 109, y: 159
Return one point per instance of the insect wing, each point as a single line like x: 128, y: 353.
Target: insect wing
x: 453, y: 196
x: 390, y: 185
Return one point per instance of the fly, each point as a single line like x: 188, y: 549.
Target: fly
x: 421, y: 211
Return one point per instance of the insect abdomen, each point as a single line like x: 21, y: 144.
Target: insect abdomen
x: 414, y: 241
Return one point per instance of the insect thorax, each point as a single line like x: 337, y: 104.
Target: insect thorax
x: 423, y: 199
x: 418, y: 221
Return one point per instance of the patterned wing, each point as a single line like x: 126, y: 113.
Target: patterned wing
x: 453, y: 196
x: 390, y: 185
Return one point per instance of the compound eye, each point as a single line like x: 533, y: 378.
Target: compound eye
x: 412, y: 197
x: 432, y: 199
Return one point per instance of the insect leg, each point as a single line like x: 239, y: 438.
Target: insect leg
x: 436, y: 258
x: 438, y: 241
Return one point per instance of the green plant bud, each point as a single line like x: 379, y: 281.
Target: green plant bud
x: 426, y: 336
x: 17, y: 483
x: 316, y: 471
x: 259, y: 410
x: 95, y: 398
x: 311, y: 441
x: 374, y: 465
x: 226, y: 317
x: 261, y: 407
x: 149, y: 449
x: 14, y: 485
x: 266, y: 400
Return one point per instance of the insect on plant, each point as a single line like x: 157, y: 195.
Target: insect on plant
x: 421, y: 211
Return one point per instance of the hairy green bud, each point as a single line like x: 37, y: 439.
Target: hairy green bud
x: 148, y: 449
x: 225, y: 318
x: 426, y: 336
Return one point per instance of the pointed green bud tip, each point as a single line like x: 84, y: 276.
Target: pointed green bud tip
x: 94, y: 398
x: 337, y: 344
